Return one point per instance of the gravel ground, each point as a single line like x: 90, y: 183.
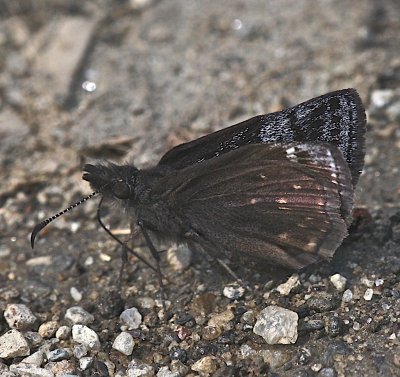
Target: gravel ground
x: 127, y: 80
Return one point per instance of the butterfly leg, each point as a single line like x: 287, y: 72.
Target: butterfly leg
x: 156, y: 257
x: 123, y: 244
x: 232, y: 273
x: 210, y: 256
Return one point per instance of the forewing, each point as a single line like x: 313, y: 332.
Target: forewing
x: 337, y: 118
x: 286, y: 204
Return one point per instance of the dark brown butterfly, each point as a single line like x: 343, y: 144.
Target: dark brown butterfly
x: 276, y: 188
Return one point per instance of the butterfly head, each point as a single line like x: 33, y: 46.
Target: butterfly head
x: 112, y: 181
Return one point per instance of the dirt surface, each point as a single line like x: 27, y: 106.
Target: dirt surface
x: 127, y: 81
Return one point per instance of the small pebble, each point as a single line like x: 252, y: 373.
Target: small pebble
x: 86, y: 336
x: 285, y: 288
x: 111, y: 303
x: 23, y: 369
x: 206, y: 365
x: 61, y: 368
x: 313, y: 325
x: 277, y: 325
x: 275, y: 357
x: 33, y: 338
x: 57, y: 355
x: 367, y: 282
x: 165, y: 372
x: 249, y: 317
x: 314, y: 279
x: 356, y: 326
x: 179, y: 258
x: 233, y: 291
x: 316, y: 367
x: 4, y: 251
x: 19, y: 316
x: 178, y: 354
x: 13, y: 344
x: 84, y: 362
x: 333, y: 326
x: 124, y: 343
x: 131, y: 317
x: 347, y: 295
x: 35, y: 359
x: 63, y: 332
x: 137, y: 369
x: 77, y: 315
x: 339, y: 282
x: 381, y: 97
x: 146, y: 302
x: 210, y: 333
x: 246, y: 351
x: 75, y: 294
x: 48, y: 329
x: 218, y: 320
x: 80, y: 351
x: 368, y: 294
x: 327, y: 372
x: 179, y: 367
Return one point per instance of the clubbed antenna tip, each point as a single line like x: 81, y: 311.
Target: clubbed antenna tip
x: 44, y: 223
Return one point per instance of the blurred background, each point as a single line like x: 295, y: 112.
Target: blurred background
x: 127, y: 80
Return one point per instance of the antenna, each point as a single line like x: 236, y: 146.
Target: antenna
x: 44, y: 223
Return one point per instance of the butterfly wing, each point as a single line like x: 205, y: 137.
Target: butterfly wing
x: 337, y: 118
x: 288, y: 204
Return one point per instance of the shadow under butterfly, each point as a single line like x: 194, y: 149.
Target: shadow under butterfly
x: 276, y: 188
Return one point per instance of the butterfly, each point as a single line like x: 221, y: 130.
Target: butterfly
x: 276, y: 188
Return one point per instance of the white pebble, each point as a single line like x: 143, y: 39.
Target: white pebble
x: 339, y: 282
x: 75, y: 294
x: 47, y: 329
x: 19, y: 316
x: 63, y: 332
x: 13, y: 344
x: 35, y: 359
x: 368, y: 294
x: 84, y: 362
x: 233, y: 291
x: 381, y: 97
x: 23, y: 369
x: 277, y: 325
x: 347, y: 295
x: 80, y: 351
x: 89, y: 261
x: 146, y: 302
x: 86, y: 336
x: 124, y: 343
x: 131, y: 317
x: 246, y: 351
x: 78, y: 315
x: 165, y: 372
x: 367, y: 282
x: 285, y: 288
x: 137, y: 369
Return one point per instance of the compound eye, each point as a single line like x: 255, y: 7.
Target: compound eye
x: 121, y: 190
